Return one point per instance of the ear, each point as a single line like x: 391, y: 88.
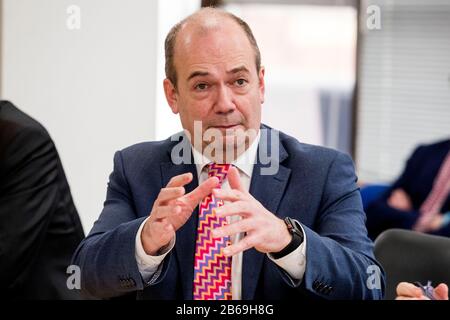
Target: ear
x: 171, y: 95
x: 262, y: 87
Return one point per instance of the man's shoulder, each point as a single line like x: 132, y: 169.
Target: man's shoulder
x: 300, y: 151
x: 20, y: 133
x: 18, y: 121
x: 155, y: 151
x: 440, y: 145
x: 427, y: 150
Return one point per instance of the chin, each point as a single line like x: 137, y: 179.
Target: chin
x: 231, y: 143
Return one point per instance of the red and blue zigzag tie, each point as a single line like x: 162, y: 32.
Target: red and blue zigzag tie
x: 212, y: 270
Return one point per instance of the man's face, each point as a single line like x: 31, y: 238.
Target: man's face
x: 218, y: 83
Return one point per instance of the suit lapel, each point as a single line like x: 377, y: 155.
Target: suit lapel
x: 268, y: 190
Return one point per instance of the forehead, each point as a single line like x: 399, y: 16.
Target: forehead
x: 211, y: 45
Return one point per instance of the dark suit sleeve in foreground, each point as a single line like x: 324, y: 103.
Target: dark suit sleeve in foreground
x: 27, y: 204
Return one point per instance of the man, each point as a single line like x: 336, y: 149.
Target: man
x: 39, y: 225
x: 153, y: 240
x: 420, y: 198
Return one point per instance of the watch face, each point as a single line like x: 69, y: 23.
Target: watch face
x: 294, y: 228
x: 289, y: 224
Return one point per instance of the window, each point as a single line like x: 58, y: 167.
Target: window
x: 404, y: 96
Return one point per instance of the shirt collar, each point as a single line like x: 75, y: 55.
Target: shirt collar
x: 244, y: 162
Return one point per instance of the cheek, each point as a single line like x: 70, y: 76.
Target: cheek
x: 193, y: 110
x: 250, y: 108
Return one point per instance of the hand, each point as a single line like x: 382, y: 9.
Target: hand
x: 399, y: 199
x: 429, y: 222
x: 408, y: 291
x: 265, y: 232
x: 171, y: 210
x: 436, y: 222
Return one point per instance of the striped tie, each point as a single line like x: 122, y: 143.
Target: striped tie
x: 212, y: 270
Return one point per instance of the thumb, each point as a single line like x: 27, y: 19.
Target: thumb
x: 441, y: 292
x: 234, y: 179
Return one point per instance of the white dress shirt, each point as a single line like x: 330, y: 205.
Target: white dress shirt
x: 294, y: 263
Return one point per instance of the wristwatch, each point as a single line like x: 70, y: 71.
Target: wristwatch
x: 297, y: 238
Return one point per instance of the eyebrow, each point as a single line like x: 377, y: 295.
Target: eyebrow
x: 205, y: 73
x: 238, y: 69
x: 197, y: 74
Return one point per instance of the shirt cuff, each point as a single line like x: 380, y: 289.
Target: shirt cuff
x: 446, y: 219
x: 295, y: 262
x: 148, y: 264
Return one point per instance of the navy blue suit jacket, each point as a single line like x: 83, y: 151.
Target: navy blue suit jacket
x: 416, y: 180
x: 315, y: 185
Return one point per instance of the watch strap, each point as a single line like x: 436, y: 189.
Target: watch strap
x: 296, y: 241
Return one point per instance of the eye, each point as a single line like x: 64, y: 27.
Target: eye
x: 201, y: 87
x: 241, y: 82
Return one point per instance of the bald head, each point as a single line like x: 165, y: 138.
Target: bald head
x: 198, y: 24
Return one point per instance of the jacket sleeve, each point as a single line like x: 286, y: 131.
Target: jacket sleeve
x: 339, y: 255
x: 381, y: 216
x: 408, y: 176
x: 106, y: 257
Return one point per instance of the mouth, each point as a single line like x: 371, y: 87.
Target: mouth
x: 231, y: 126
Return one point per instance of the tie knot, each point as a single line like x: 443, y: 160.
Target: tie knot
x: 218, y: 170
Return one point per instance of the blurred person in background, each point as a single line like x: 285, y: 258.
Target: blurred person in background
x: 39, y: 224
x: 420, y: 198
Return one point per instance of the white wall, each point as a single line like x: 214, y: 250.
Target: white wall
x: 170, y: 12
x: 92, y: 88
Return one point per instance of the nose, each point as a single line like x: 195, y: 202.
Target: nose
x: 224, y: 102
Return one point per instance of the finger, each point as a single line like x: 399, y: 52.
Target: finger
x: 180, y: 180
x: 167, y: 194
x: 231, y: 229
x: 407, y: 298
x: 239, y: 208
x: 234, y: 179
x: 167, y: 211
x: 408, y: 289
x: 195, y: 196
x: 228, y: 195
x: 441, y: 292
x: 245, y: 244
